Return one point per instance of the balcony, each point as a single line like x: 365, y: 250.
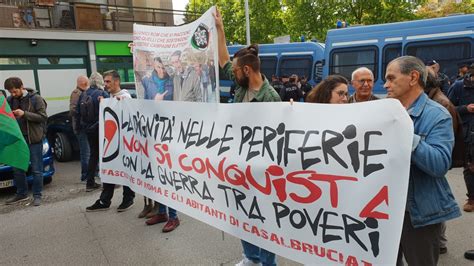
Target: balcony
x: 81, y: 16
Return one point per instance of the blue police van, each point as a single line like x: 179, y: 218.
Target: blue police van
x: 302, y: 59
x: 448, y: 40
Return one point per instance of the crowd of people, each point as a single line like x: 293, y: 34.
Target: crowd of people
x: 442, y: 111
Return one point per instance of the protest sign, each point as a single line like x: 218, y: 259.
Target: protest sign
x: 316, y: 183
x: 177, y: 63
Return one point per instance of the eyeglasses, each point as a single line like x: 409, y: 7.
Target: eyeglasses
x: 363, y: 81
x: 342, y: 93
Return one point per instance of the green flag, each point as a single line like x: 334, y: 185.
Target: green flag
x: 13, y: 149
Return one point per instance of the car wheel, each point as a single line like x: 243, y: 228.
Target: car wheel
x: 62, y: 147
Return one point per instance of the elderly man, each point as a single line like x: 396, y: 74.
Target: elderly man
x: 363, y: 83
x: 82, y: 84
x: 430, y: 200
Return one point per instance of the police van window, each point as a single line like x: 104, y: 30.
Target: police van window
x: 447, y: 53
x: 268, y: 65
x: 299, y: 65
x: 390, y: 52
x: 345, y: 60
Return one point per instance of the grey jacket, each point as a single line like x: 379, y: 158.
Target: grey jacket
x: 187, y: 86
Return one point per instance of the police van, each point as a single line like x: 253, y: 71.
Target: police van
x: 448, y: 40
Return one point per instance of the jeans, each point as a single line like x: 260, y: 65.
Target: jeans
x: 108, y: 193
x: 85, y: 153
x: 257, y: 254
x: 171, y: 212
x: 93, y: 138
x: 36, y: 159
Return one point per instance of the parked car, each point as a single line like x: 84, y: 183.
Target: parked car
x: 6, y: 171
x: 61, y: 136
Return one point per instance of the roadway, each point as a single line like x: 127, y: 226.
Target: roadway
x: 60, y: 232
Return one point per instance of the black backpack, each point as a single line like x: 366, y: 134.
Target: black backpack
x: 89, y: 114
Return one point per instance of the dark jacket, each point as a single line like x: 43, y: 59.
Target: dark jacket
x: 291, y: 91
x: 458, y: 156
x: 95, y: 93
x: 444, y: 81
x: 461, y: 94
x: 33, y: 122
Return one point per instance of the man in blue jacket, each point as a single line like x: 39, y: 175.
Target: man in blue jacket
x: 429, y: 200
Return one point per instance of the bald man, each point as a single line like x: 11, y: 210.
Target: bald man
x: 363, y: 83
x: 82, y: 84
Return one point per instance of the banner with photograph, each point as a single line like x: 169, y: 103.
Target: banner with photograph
x: 316, y: 183
x: 177, y: 63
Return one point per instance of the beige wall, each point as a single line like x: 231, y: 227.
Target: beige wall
x: 159, y: 17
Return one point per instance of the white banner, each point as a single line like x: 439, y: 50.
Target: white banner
x: 177, y: 63
x: 316, y: 183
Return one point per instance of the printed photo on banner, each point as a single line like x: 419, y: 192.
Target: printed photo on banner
x: 177, y: 63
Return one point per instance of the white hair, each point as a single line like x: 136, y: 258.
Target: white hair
x: 361, y: 69
x: 96, y: 80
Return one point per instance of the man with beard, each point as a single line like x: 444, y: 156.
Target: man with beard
x: 252, y: 86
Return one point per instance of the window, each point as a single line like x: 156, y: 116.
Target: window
x: 268, y: 65
x: 15, y: 61
x: 300, y: 66
x: 390, y: 52
x: 448, y: 53
x: 60, y: 61
x: 345, y: 61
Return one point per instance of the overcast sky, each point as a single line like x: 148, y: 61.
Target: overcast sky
x: 179, y: 5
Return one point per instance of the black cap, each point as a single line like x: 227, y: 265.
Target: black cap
x: 466, y: 63
x: 430, y: 62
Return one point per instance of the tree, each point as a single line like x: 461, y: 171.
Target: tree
x: 309, y: 18
x: 434, y: 10
x: 265, y: 18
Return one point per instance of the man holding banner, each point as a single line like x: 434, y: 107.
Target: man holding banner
x: 430, y: 200
x: 252, y: 86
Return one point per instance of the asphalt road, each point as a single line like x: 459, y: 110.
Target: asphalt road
x: 60, y: 232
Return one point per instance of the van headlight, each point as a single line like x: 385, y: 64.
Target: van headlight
x: 45, y: 148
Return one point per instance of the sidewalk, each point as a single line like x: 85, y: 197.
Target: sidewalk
x: 63, y: 233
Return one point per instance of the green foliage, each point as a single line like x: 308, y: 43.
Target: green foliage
x: 435, y: 10
x: 313, y: 18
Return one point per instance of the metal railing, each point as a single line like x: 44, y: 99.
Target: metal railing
x: 84, y: 16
